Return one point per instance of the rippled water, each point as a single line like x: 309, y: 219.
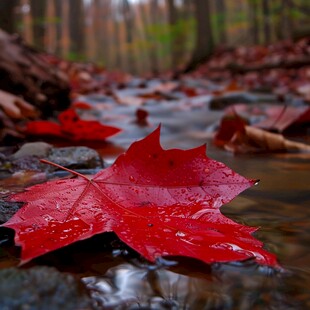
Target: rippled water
x: 279, y: 205
x: 234, y: 286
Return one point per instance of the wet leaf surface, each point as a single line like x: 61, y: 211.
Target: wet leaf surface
x: 159, y: 202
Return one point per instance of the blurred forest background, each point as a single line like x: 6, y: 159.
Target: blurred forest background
x: 150, y: 36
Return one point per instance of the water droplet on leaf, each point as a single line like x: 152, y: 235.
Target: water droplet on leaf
x: 180, y: 234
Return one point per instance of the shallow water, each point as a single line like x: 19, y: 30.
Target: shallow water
x: 278, y: 205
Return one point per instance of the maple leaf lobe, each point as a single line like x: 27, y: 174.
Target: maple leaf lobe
x: 156, y: 207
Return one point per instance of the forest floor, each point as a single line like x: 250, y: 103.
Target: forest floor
x: 249, y: 105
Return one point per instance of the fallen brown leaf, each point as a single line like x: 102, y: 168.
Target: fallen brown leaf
x: 15, y: 107
x: 253, y: 140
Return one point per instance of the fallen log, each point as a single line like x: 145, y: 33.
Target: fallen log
x: 287, y: 64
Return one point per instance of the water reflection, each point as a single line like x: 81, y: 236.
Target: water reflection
x: 227, y: 286
x: 129, y: 287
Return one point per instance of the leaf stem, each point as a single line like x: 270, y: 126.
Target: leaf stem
x: 45, y: 161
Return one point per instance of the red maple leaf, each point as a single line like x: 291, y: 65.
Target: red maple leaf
x: 159, y: 202
x: 71, y: 127
x: 229, y: 126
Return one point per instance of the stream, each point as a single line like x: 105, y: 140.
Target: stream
x: 117, y: 278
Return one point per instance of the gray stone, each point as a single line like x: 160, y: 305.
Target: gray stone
x: 80, y: 157
x: 39, y: 149
x: 40, y: 288
x: 231, y: 98
x: 27, y: 162
x: 28, y: 158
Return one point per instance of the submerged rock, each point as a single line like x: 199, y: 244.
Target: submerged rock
x: 42, y: 288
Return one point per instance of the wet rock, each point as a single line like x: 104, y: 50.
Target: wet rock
x: 5, y: 163
x: 228, y: 99
x: 41, y: 288
x: 8, y: 209
x: 80, y: 157
x: 7, y: 150
x: 29, y: 155
x: 28, y: 162
x: 221, y: 102
x: 38, y: 149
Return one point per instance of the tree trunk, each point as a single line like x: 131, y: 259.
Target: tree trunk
x: 221, y: 21
x: 105, y: 23
x: 129, y: 27
x: 38, y: 10
x: 141, y: 53
x: 204, y: 40
x: 65, y: 31
x: 151, y: 16
x: 51, y: 28
x: 91, y: 28
x: 187, y: 9
x: 116, y: 34
x: 178, y: 33
x: 58, y: 25
x: 24, y: 72
x: 7, y: 20
x: 266, y: 21
x: 253, y: 15
x: 286, y: 23
x: 76, y: 25
x: 27, y: 22
x: 174, y: 40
